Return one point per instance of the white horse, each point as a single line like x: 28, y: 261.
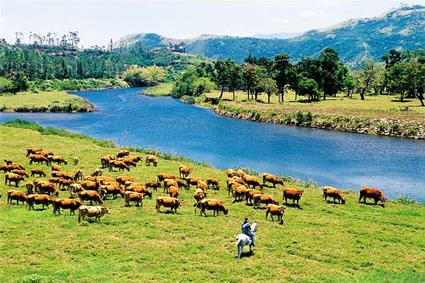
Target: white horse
x: 242, y: 240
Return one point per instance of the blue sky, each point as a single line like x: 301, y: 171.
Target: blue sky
x: 99, y: 20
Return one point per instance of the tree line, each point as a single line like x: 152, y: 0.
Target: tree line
x: 401, y: 73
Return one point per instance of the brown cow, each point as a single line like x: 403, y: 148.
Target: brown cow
x: 333, y: 193
x: 213, y: 183
x: 151, y: 159
x: 57, y: 159
x: 169, y: 183
x: 78, y: 175
x: 241, y: 173
x: 375, y: 194
x: 123, y: 153
x: 140, y: 189
x: 20, y: 172
x: 249, y: 197
x: 4, y: 168
x: 38, y: 158
x: 202, y: 185
x: 42, y: 199
x: 212, y: 204
x: 182, y: 184
x: 64, y: 184
x: 252, y: 181
x: 122, y: 179
x: 105, y: 160
x: 193, y: 181
x: 16, y: 166
x: 273, y: 209
x: 295, y: 195
x: 231, y: 173
x: 172, y: 203
x: 184, y: 171
x: 91, y: 196
x: 233, y: 181
x: 16, y: 195
x: 265, y: 199
x: 274, y: 180
x: 174, y: 192
x: 239, y: 192
x: 91, y: 211
x: 38, y: 172
x: 89, y: 185
x: 62, y: 175
x: 30, y: 187
x: 44, y: 187
x: 153, y: 185
x: 131, y: 160
x: 118, y: 164
x: 163, y: 176
x: 56, y: 168
x: 199, y: 195
x: 112, y: 189
x: 11, y: 177
x: 97, y: 173
x: 33, y: 151
x: 71, y: 204
x: 133, y: 197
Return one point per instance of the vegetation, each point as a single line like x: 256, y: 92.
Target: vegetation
x: 159, y: 90
x: 320, y: 242
x: 46, y: 101
x: 144, y: 76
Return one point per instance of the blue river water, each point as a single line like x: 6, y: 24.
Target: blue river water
x: 343, y: 160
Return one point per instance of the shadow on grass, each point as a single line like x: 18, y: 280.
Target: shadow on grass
x: 293, y: 205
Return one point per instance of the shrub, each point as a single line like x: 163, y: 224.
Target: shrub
x: 188, y: 99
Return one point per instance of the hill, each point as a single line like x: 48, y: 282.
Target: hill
x: 354, y: 40
x: 320, y: 242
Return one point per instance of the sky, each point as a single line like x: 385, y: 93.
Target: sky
x: 100, y: 20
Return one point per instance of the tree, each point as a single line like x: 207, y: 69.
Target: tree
x: 6, y: 85
x: 282, y: 68
x: 143, y: 76
x: 226, y: 74
x: 367, y: 77
x: 308, y: 87
x: 251, y: 75
x: 330, y: 65
x: 268, y: 85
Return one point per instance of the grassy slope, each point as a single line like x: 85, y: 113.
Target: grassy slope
x: 319, y: 242
x: 41, y: 99
x: 373, y: 107
x: 159, y: 90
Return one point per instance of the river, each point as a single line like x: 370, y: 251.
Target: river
x: 339, y: 159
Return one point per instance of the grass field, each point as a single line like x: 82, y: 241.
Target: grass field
x: 320, y: 242
x: 43, y: 101
x: 159, y: 90
x: 381, y: 106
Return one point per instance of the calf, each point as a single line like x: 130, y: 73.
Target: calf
x: 133, y: 197
x: 295, y: 195
x: 273, y: 209
x: 42, y: 199
x: 91, y: 211
x: 172, y: 203
x: 212, y: 204
x: 333, y: 193
x: 375, y: 194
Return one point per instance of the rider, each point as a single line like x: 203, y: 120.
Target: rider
x: 246, y: 229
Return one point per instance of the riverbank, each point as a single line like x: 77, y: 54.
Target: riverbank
x: 383, y: 115
x: 333, y: 243
x: 77, y: 84
x: 44, y: 101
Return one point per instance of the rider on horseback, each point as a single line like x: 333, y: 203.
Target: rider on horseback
x: 246, y: 229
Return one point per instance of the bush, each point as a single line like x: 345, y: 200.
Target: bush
x: 188, y: 99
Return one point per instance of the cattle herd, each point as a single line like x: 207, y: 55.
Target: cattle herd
x: 43, y: 190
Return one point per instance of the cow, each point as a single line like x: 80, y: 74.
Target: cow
x: 293, y: 194
x: 212, y: 204
x: 16, y: 166
x: 112, y: 189
x: 56, y: 168
x: 76, y: 160
x: 104, y: 161
x: 33, y: 151
x: 89, y: 185
x: 64, y: 184
x: 193, y: 181
x: 57, y: 159
x: 265, y: 199
x: 75, y: 188
x: 11, y: 177
x: 174, y: 192
x: 118, y: 164
x: 213, y: 184
x: 233, y: 181
x: 274, y: 180
x: 123, y: 153
x: 239, y: 192
x: 252, y: 181
x: 78, y: 175
x: 140, y: 189
x: 62, y: 175
x: 20, y: 172
x: 202, y: 185
x: 71, y: 204
x: 102, y: 179
x: 153, y: 185
x: 38, y: 158
x: 274, y: 209
x: 122, y: 179
x: 249, y: 197
x: 241, y: 173
x: 162, y: 176
x: 182, y: 184
x: 199, y: 195
x: 333, y: 193
x: 91, y: 211
x: 48, y: 188
x: 131, y: 160
x: 16, y: 195
x: 184, y: 171
x: 133, y: 197
x: 4, y: 168
x: 29, y: 185
x: 151, y: 159
x: 91, y: 196
x: 169, y: 183
x: 38, y: 172
x: 42, y: 199
x: 231, y: 173
x: 373, y: 193
x: 172, y: 203
x: 97, y: 173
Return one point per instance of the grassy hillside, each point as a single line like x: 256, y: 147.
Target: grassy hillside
x: 53, y: 101
x: 320, y: 242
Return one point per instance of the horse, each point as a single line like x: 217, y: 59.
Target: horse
x: 243, y: 240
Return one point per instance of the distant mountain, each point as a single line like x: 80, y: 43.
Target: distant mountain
x: 402, y: 28
x: 278, y: 35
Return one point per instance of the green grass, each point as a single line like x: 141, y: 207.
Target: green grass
x: 53, y: 101
x: 382, y: 106
x: 320, y: 242
x: 159, y: 90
